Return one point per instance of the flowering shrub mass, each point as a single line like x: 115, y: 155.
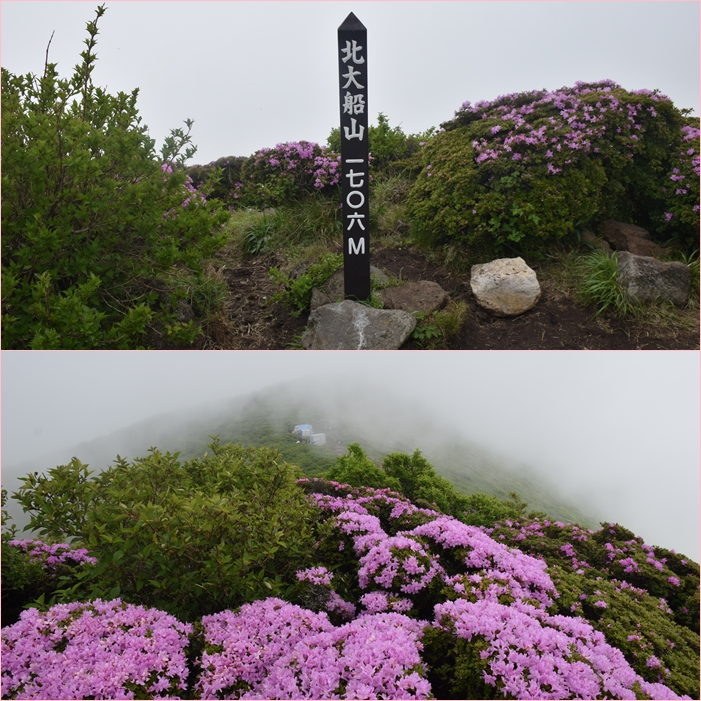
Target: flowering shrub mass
x: 101, y: 650
x: 529, y: 168
x: 397, y: 601
x: 274, y: 650
x: 405, y: 551
x: 683, y: 190
x: 33, y: 569
x: 272, y: 177
x: 190, y: 192
x: 53, y: 555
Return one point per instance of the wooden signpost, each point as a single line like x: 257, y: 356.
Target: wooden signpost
x: 353, y: 72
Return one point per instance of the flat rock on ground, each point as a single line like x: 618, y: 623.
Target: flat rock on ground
x: 350, y: 325
x: 424, y: 296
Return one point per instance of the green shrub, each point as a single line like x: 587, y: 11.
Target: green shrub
x: 28, y: 576
x: 390, y: 148
x: 514, y: 175
x: 486, y: 510
x: 357, y: 470
x: 681, y: 215
x: 189, y: 538
x: 91, y: 217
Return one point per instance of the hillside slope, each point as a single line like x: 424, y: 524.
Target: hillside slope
x: 381, y: 425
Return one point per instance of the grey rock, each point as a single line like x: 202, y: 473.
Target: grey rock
x: 334, y: 286
x: 645, y: 278
x: 505, y: 287
x: 349, y: 325
x: 319, y: 299
x: 423, y: 296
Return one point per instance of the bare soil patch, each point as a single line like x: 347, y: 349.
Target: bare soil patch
x: 250, y: 321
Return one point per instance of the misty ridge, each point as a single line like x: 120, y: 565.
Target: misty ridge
x: 347, y: 411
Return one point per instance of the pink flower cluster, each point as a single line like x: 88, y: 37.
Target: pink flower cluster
x: 100, y: 650
x: 688, y: 165
x: 274, y: 650
x: 303, y: 156
x: 379, y: 601
x: 190, y: 193
x: 503, y: 597
x: 553, y: 130
x: 315, y: 575
x: 533, y: 655
x: 500, y: 570
x: 499, y: 597
x: 53, y: 555
x: 577, y: 123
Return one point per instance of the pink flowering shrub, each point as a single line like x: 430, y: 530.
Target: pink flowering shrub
x: 682, y: 188
x: 190, y: 193
x: 369, y: 536
x: 389, y: 600
x: 274, y: 650
x: 32, y: 568
x: 277, y: 176
x: 525, y: 169
x: 51, y: 556
x: 525, y: 653
x: 224, y: 175
x: 100, y: 650
x: 599, y: 574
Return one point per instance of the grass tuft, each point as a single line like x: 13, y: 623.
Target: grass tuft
x: 602, y: 287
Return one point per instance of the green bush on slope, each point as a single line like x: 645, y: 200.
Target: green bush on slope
x: 189, y: 538
x: 414, y: 477
x: 103, y: 241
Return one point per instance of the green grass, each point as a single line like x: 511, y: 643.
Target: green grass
x: 589, y: 280
x: 601, y: 287
x: 433, y: 331
x: 309, y: 221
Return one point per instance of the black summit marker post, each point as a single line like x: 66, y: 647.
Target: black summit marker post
x: 355, y: 175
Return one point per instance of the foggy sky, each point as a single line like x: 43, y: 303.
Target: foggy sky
x: 616, y: 429
x: 254, y: 74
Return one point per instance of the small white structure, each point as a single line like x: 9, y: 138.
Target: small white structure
x: 305, y: 432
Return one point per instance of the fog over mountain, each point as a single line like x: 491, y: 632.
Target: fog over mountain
x: 612, y: 436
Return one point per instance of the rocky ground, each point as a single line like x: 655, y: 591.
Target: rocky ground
x: 251, y: 321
